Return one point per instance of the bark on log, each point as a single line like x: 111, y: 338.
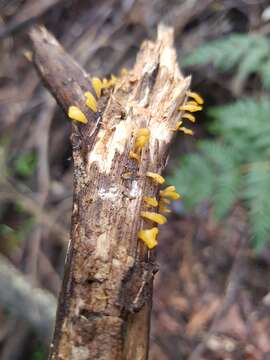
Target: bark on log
x: 105, y: 303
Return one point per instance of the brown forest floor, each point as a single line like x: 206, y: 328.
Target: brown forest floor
x: 211, y: 297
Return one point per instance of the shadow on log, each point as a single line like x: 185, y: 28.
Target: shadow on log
x: 105, y: 303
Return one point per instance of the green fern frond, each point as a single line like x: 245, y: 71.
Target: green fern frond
x: 257, y: 185
x: 264, y: 72
x: 234, y: 167
x: 248, y: 52
x: 241, y: 123
x: 193, y: 167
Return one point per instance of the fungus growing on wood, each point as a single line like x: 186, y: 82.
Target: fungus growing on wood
x: 150, y: 201
x: 164, y: 209
x: 195, y: 96
x: 163, y: 201
x: 149, y: 237
x: 91, y: 101
x: 189, y: 117
x: 158, y: 218
x: 185, y: 130
x: 191, y: 106
x: 112, y: 80
x: 74, y: 113
x: 142, y: 138
x: 97, y: 85
x: 99, y: 163
x: 170, y: 193
x: 156, y: 177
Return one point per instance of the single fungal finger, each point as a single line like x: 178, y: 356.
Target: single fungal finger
x: 91, y: 101
x: 150, y: 201
x: 97, y: 85
x: 195, y: 96
x: 186, y: 131
x: 156, y: 177
x: 190, y: 107
x: 158, y: 218
x: 74, y: 113
x: 189, y: 117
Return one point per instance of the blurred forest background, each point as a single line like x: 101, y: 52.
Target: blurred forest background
x: 214, y: 252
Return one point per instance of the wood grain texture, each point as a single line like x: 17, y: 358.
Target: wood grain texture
x: 105, y: 303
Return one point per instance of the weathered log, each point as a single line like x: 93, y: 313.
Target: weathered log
x: 105, y: 303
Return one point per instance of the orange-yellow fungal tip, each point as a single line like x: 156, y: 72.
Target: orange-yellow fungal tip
x: 164, y: 209
x: 105, y: 83
x: 97, y: 85
x: 169, y: 188
x: 156, y: 177
x: 163, y: 201
x: 195, y: 96
x: 150, y: 201
x: 189, y: 117
x: 158, y: 218
x: 91, y: 101
x: 173, y: 195
x: 113, y: 80
x: 190, y: 106
x: 134, y: 156
x: 186, y: 131
x: 192, y: 102
x: 75, y: 113
x: 149, y: 237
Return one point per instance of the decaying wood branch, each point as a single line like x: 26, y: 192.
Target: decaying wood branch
x: 105, y: 303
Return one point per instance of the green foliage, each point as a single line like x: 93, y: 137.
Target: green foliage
x: 233, y: 167
x: 39, y: 352
x: 25, y: 164
x: 250, y: 53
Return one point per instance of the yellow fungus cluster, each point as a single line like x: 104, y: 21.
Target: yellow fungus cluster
x: 190, y: 107
x: 149, y: 236
x: 75, y: 113
x: 108, y: 83
x: 141, y: 140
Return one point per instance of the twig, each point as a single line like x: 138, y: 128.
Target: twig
x: 30, y: 12
x: 11, y: 193
x: 14, y: 345
x: 233, y: 287
x: 35, y: 306
x: 43, y: 183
